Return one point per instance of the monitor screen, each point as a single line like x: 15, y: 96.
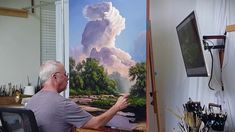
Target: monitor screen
x: 191, y: 47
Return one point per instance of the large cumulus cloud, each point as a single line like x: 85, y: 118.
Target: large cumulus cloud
x: 98, y: 39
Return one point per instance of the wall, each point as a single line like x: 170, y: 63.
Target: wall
x: 19, y: 46
x: 165, y: 15
x: 228, y: 70
x: 174, y: 87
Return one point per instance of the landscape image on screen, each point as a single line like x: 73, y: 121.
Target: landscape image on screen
x: 190, y: 45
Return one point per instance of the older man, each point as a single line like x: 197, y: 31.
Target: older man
x: 54, y: 113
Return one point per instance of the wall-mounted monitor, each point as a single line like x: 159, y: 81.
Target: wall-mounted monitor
x: 191, y: 47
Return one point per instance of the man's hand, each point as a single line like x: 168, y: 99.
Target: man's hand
x: 122, y: 102
x: 101, y: 120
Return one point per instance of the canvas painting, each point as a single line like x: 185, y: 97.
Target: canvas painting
x: 108, y: 58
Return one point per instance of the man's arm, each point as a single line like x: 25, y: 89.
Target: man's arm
x: 101, y: 120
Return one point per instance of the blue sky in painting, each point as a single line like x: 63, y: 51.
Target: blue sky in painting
x: 134, y: 11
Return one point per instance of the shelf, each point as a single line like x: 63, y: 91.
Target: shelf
x: 8, y: 100
x: 230, y: 28
x: 5, y: 11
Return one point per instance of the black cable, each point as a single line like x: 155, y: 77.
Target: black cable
x: 212, y: 65
x: 222, y: 85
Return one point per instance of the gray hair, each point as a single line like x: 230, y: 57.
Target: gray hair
x: 47, y: 69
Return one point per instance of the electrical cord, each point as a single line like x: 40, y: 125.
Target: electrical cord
x: 206, y: 44
x: 212, y: 65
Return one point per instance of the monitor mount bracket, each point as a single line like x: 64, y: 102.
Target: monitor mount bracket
x: 221, y: 37
x: 220, y: 47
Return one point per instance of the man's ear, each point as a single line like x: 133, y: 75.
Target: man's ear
x: 54, y: 76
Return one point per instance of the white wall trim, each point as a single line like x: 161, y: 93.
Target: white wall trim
x: 62, y: 36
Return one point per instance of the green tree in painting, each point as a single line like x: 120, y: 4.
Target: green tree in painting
x: 88, y: 77
x: 138, y: 73
x: 75, y: 79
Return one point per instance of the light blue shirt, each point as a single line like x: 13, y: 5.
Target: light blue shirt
x: 54, y: 113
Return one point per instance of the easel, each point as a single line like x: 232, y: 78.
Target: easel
x: 150, y: 77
